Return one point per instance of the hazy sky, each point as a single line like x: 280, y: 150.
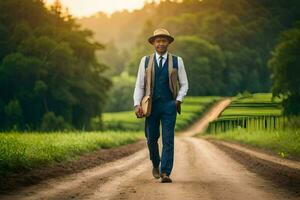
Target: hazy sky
x: 81, y: 8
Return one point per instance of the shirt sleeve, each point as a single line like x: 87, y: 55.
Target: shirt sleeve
x: 139, y: 84
x: 183, y: 81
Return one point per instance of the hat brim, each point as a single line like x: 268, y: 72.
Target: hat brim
x: 152, y: 38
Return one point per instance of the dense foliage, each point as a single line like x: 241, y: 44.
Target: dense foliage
x: 285, y: 65
x: 49, y: 75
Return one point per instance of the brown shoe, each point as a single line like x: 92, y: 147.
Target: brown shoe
x: 155, y: 172
x: 165, y: 178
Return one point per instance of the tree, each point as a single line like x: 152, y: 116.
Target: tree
x: 204, y: 63
x: 120, y: 96
x: 285, y: 68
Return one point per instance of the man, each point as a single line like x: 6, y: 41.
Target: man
x: 167, y: 72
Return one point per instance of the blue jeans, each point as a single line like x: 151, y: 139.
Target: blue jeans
x: 163, y: 111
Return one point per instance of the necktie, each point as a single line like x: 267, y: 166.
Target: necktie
x: 160, y: 61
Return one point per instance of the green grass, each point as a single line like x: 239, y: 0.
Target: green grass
x: 259, y: 104
x: 125, y: 120
x: 285, y: 143
x: 29, y: 150
x: 191, y: 109
x: 259, y: 98
x: 257, y: 111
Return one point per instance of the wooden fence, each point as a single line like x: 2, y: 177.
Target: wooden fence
x: 269, y: 123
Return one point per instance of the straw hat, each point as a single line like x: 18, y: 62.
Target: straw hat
x: 161, y: 32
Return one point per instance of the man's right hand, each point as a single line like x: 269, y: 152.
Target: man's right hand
x: 138, y: 111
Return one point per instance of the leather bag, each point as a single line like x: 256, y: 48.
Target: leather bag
x: 146, y: 104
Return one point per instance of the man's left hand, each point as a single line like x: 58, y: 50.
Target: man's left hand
x: 178, y: 103
x: 178, y: 107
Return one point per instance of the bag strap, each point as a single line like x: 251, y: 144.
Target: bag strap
x: 147, y: 61
x: 175, y: 61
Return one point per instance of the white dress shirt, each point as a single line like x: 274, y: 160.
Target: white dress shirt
x: 164, y: 57
x: 139, y: 85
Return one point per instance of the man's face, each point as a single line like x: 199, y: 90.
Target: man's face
x: 161, y: 44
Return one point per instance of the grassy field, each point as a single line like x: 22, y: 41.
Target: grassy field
x: 191, y: 109
x: 34, y: 149
x: 258, y: 112
x: 284, y: 143
x: 29, y: 150
x: 257, y: 121
x: 259, y: 104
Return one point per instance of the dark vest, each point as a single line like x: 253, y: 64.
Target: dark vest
x: 162, y: 75
x: 161, y: 84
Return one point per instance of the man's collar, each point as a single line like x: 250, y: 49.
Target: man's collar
x: 164, y: 55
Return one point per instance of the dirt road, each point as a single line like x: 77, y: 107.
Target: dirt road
x: 201, y: 171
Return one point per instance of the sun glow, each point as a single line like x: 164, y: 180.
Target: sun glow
x: 81, y: 8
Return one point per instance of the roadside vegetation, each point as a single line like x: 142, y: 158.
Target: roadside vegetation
x: 257, y: 120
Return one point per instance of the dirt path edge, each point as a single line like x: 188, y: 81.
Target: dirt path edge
x: 88, y: 160
x: 283, y: 175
